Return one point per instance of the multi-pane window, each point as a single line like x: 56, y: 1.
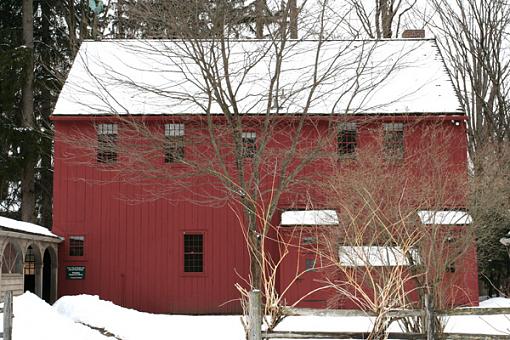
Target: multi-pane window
x: 249, y: 140
x: 393, y: 141
x: 193, y: 253
x: 347, y: 140
x: 174, y: 148
x: 29, y: 267
x: 107, y: 143
x: 76, y: 245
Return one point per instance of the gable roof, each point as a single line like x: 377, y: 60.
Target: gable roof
x: 154, y: 77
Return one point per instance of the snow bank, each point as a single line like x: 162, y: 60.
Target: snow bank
x: 130, y: 324
x: 490, y: 324
x: 15, y: 225
x: 35, y: 319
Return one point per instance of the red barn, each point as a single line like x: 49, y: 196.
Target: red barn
x: 133, y: 238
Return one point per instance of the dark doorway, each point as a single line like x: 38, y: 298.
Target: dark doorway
x: 29, y: 270
x: 46, y: 291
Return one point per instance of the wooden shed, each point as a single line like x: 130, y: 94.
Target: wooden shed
x: 29, y: 259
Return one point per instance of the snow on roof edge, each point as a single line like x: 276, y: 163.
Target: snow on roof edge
x: 309, y: 217
x: 445, y: 217
x: 25, y: 227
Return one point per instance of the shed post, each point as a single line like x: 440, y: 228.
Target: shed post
x: 8, y: 315
x: 255, y: 316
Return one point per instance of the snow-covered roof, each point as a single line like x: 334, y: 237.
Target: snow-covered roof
x: 447, y: 217
x: 376, y: 256
x: 155, y: 77
x: 309, y: 217
x: 24, y: 227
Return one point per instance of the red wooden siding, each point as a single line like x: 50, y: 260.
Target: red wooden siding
x: 134, y: 252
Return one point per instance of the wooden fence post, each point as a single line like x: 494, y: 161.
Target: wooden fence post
x: 255, y: 315
x: 429, y: 317
x: 8, y: 315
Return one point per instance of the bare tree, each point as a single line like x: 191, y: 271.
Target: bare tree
x: 252, y: 119
x: 382, y: 18
x: 395, y: 243
x: 475, y: 40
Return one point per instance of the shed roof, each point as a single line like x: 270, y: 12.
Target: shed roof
x: 445, y: 217
x: 24, y: 227
x: 161, y: 77
x: 309, y: 217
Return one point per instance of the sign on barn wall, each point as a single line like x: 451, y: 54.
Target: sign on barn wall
x: 75, y: 272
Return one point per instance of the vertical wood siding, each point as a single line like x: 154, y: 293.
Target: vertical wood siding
x: 133, y: 252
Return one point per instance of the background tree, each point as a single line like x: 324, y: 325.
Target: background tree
x: 475, y: 40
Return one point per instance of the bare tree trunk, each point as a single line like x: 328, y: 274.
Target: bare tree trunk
x: 293, y: 19
x: 259, y: 19
x: 27, y: 122
x: 46, y: 181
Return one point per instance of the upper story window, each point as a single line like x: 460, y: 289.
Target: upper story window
x: 193, y: 253
x: 76, y: 245
x: 174, y: 148
x: 393, y: 141
x: 249, y: 140
x: 107, y: 143
x: 347, y: 139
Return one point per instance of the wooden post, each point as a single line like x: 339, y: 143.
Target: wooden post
x: 8, y: 315
x: 429, y: 317
x: 255, y: 315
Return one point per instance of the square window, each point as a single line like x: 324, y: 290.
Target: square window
x: 249, y: 140
x: 107, y: 143
x: 193, y: 253
x: 76, y: 245
x: 174, y: 148
x: 393, y: 142
x: 347, y: 140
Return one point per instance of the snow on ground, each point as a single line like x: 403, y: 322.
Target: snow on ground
x: 489, y: 324
x: 129, y: 324
x: 34, y: 319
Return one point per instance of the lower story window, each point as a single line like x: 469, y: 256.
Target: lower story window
x: 76, y: 245
x: 193, y: 253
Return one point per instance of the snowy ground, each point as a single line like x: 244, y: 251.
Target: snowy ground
x: 34, y: 319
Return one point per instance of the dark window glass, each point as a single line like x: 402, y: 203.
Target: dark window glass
x: 394, y: 141
x: 249, y: 140
x: 450, y: 268
x: 29, y: 262
x: 107, y: 143
x: 310, y: 265
x: 309, y: 240
x: 193, y: 253
x: 347, y: 140
x: 174, y: 149
x: 76, y: 244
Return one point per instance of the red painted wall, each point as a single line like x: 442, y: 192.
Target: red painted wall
x: 133, y: 252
